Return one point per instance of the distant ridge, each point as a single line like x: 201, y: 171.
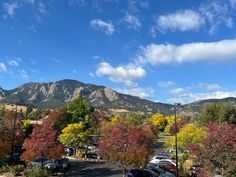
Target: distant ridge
x: 56, y: 94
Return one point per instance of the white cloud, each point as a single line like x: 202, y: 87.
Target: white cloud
x: 166, y: 84
x: 185, y: 20
x: 145, y: 93
x: 23, y: 74
x: 10, y: 8
x: 13, y: 62
x: 3, y: 67
x: 218, y: 13
x: 191, y: 97
x: 132, y: 21
x: 177, y: 91
x: 135, y: 5
x: 201, y: 51
x: 105, y: 26
x: 122, y: 74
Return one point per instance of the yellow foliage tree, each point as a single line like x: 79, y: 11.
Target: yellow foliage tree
x: 74, y: 135
x: 171, y: 119
x: 190, y: 133
x: 159, y: 121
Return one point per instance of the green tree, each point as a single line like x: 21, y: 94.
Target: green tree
x: 218, y: 113
x: 79, y: 110
x: 137, y: 118
x: 74, y: 135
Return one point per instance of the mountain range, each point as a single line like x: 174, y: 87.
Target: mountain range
x: 57, y: 94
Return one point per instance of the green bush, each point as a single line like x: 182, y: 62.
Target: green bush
x: 37, y: 171
x: 4, y: 168
x: 17, y: 169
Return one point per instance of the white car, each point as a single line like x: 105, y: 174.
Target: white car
x: 157, y: 159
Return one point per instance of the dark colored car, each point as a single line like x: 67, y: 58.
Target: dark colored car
x: 159, y: 171
x: 39, y: 161
x: 92, y: 154
x: 61, y: 165
x: 141, y: 173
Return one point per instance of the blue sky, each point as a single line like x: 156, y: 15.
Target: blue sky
x: 169, y: 51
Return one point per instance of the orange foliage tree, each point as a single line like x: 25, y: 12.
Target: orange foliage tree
x: 43, y: 140
x: 127, y: 144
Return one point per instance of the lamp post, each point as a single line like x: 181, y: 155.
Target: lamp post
x: 13, y: 134
x: 176, y: 141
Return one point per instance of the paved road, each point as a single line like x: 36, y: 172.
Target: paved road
x: 93, y: 169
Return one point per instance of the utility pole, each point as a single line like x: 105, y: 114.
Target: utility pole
x: 13, y: 134
x: 176, y: 141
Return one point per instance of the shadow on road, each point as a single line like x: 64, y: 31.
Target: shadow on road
x: 92, y: 169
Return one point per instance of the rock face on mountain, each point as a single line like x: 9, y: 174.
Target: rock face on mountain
x: 57, y: 94
x: 2, y: 93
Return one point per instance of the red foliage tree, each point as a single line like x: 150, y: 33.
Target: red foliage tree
x: 127, y: 144
x: 218, y: 149
x: 179, y: 125
x: 7, y: 130
x: 43, y: 141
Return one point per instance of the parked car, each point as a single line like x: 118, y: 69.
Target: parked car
x: 58, y: 165
x: 39, y: 161
x: 159, y: 171
x: 70, y: 151
x: 168, y: 164
x: 142, y: 173
x: 157, y: 159
x: 92, y: 154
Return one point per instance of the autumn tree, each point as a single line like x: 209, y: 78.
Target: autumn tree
x: 8, y: 132
x: 125, y: 143
x: 159, y: 121
x: 218, y: 149
x: 188, y: 134
x: 179, y: 124
x: 43, y: 143
x: 57, y: 119
x: 74, y: 135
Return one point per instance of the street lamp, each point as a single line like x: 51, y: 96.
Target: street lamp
x: 13, y: 133
x: 176, y: 141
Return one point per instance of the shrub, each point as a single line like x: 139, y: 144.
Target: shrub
x: 4, y: 168
x: 37, y: 171
x: 16, y: 170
